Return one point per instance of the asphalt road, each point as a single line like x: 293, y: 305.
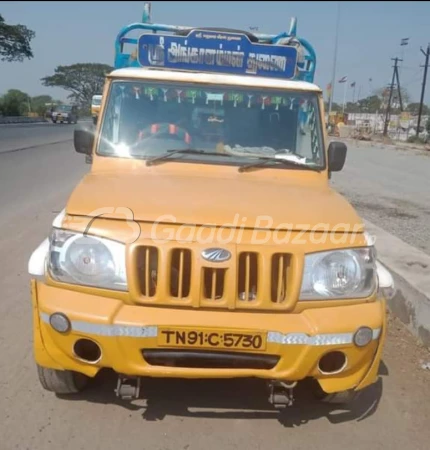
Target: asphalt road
x: 19, y: 136
x: 179, y: 415
x: 391, y: 188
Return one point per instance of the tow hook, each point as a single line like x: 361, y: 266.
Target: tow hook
x: 281, y: 393
x: 128, y: 387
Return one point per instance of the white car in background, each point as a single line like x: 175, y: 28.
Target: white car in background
x: 65, y: 113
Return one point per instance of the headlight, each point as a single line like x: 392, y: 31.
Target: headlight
x: 339, y: 274
x: 87, y: 260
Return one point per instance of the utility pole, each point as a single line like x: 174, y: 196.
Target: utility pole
x: 426, y: 54
x: 395, y: 75
x: 333, y: 75
x: 398, y: 85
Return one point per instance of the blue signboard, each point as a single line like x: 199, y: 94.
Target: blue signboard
x: 212, y: 51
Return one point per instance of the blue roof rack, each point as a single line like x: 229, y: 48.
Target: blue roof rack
x: 283, y: 55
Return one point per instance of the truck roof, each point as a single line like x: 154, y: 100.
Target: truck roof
x: 137, y: 73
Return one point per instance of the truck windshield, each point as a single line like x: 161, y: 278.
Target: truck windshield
x: 146, y: 120
x: 63, y: 108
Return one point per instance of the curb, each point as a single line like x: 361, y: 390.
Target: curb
x: 410, y: 269
x: 13, y: 120
x: 398, y: 145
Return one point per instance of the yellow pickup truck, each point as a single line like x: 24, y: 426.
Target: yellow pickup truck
x: 205, y: 241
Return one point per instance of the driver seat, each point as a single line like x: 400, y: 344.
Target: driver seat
x: 165, y: 128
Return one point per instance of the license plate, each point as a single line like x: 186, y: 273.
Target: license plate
x: 211, y: 338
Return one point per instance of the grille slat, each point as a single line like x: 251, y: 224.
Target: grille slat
x: 248, y: 276
x: 147, y: 265
x: 213, y: 283
x: 280, y: 267
x: 147, y: 271
x: 213, y: 292
x: 180, y: 273
x: 280, y: 279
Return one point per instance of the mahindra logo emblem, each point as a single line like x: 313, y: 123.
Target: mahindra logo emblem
x: 216, y: 255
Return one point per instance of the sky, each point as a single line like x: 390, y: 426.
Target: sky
x: 70, y: 32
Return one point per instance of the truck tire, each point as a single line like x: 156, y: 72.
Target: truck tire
x: 61, y: 381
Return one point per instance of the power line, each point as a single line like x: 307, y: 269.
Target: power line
x: 409, y: 67
x: 414, y: 80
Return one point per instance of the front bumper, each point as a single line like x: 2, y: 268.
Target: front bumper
x: 123, y: 332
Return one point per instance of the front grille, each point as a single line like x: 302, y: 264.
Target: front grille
x: 249, y: 280
x: 204, y: 359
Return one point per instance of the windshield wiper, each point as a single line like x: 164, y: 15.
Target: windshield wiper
x: 186, y: 151
x: 267, y: 159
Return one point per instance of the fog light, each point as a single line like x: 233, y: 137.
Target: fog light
x: 59, y: 322
x: 363, y: 336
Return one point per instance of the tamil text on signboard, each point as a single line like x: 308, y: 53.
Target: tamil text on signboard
x: 217, y: 52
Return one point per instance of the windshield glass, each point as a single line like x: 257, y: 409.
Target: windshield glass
x: 147, y: 119
x: 64, y: 108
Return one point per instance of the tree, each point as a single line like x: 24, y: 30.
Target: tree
x: 414, y: 108
x: 370, y: 104
x: 15, y: 103
x: 384, y: 95
x: 334, y: 107
x: 351, y: 107
x: 39, y: 104
x: 82, y: 80
x: 15, y: 42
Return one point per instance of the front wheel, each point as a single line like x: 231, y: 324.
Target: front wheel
x: 62, y: 381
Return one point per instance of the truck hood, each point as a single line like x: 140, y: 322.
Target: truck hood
x: 229, y: 201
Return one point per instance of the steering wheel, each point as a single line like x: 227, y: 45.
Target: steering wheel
x: 163, y: 129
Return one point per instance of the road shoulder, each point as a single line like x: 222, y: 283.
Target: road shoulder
x: 410, y: 269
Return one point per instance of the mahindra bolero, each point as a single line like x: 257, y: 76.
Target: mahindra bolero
x: 205, y: 241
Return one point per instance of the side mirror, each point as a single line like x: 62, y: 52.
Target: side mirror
x: 336, y: 156
x: 83, y: 139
